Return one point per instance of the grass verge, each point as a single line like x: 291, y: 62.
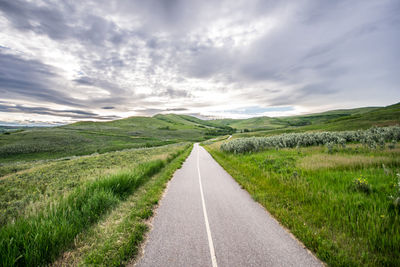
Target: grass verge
x: 339, y: 205
x: 39, y: 239
x: 116, y: 239
x: 27, y: 191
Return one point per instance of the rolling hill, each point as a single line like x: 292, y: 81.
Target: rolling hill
x: 84, y: 138
x: 334, y: 120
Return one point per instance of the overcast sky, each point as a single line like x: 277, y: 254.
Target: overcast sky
x: 63, y: 61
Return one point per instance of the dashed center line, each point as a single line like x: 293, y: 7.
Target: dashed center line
x: 210, y: 242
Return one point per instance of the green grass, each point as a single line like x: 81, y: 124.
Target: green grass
x: 116, y: 239
x: 39, y: 238
x: 83, y: 138
x: 24, y: 191
x: 315, y: 195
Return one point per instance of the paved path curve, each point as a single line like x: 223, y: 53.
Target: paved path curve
x: 206, y: 219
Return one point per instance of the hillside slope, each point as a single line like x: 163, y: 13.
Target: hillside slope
x: 335, y: 120
x: 270, y: 123
x: 84, y: 138
x: 90, y: 137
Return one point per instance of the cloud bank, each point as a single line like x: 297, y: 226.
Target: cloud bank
x: 67, y: 61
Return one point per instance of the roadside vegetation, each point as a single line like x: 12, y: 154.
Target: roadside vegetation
x: 47, y: 222
x: 339, y: 192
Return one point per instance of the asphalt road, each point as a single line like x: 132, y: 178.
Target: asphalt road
x: 206, y: 219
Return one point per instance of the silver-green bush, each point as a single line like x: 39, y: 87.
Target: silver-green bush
x: 371, y: 138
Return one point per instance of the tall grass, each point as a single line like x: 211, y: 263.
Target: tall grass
x: 39, y: 239
x: 35, y: 183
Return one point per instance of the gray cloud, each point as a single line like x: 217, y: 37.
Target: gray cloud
x: 148, y: 111
x: 147, y: 56
x: 84, y: 81
x: 153, y: 111
x: 176, y: 109
x: 174, y: 93
x: 60, y: 21
x: 76, y: 114
x: 49, y: 19
x: 30, y: 79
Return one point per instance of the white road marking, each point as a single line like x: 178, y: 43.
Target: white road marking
x: 210, y: 242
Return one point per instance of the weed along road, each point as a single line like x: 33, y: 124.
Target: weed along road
x: 206, y: 219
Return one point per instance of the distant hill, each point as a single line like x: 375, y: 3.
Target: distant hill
x: 271, y: 123
x: 362, y: 119
x: 170, y: 127
x: 334, y: 120
x: 84, y: 138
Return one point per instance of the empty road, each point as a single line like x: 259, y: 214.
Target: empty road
x: 206, y: 219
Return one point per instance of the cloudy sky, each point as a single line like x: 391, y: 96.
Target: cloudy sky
x: 63, y: 61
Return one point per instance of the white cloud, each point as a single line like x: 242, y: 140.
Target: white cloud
x: 202, y: 57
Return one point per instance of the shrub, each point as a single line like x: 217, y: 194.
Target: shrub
x: 330, y: 147
x: 370, y: 138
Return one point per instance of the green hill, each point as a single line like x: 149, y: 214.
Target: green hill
x: 269, y: 123
x: 335, y: 120
x: 84, y: 138
x: 98, y: 137
x: 254, y: 124
x: 383, y: 116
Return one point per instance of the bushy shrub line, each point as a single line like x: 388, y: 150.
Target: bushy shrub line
x: 39, y: 239
x: 373, y: 137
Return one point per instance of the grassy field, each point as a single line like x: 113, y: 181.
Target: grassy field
x: 339, y: 202
x: 47, y: 205
x: 83, y: 138
x: 42, y: 180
